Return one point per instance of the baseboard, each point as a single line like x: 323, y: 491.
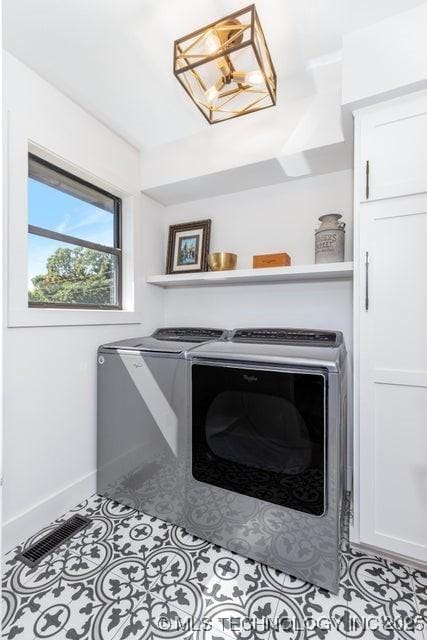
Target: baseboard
x: 388, y: 555
x: 26, y: 524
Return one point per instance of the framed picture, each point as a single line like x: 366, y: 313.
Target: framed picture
x: 188, y: 247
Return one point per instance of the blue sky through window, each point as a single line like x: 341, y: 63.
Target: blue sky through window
x: 58, y: 211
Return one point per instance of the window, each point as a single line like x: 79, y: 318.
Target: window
x: 74, y: 243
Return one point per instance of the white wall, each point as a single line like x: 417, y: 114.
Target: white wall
x: 50, y: 372
x: 386, y: 57
x: 304, y: 137
x: 299, y: 137
x: 1, y: 280
x: 317, y: 305
x: 268, y: 220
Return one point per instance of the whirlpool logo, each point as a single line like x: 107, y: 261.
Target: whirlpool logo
x: 250, y: 378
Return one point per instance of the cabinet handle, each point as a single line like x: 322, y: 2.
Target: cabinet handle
x: 366, y: 281
x: 367, y: 179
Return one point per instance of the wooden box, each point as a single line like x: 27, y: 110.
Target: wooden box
x: 271, y: 260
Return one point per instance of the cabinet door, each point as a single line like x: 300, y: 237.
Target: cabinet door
x: 393, y: 376
x: 394, y: 149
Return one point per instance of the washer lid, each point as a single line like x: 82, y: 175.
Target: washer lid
x: 189, y: 334
x: 174, y: 340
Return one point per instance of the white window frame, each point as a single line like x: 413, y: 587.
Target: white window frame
x: 19, y: 313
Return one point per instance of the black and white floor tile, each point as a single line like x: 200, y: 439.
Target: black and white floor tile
x: 129, y: 575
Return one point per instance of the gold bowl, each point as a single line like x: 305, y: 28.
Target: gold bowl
x: 222, y: 261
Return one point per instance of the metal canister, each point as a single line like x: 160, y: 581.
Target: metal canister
x: 329, y: 239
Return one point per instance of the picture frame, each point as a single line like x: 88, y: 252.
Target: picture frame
x: 188, y: 247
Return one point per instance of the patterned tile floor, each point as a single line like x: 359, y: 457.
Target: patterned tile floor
x: 129, y: 575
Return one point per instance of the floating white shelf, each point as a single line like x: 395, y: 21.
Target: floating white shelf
x: 305, y: 272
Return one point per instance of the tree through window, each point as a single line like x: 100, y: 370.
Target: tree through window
x: 74, y: 250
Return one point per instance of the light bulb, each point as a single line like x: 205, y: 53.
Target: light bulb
x: 212, y: 42
x: 211, y: 94
x: 255, y: 77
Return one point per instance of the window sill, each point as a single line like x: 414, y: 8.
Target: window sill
x: 34, y: 317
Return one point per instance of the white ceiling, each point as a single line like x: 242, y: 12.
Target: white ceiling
x: 114, y: 57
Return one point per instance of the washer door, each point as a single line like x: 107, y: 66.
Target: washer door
x: 261, y: 433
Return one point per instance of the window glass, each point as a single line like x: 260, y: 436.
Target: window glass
x: 74, y: 253
x: 67, y: 274
x: 53, y: 209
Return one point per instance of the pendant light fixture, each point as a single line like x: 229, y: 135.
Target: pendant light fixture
x: 226, y: 68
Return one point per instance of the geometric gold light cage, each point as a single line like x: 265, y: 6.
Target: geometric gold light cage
x: 226, y: 68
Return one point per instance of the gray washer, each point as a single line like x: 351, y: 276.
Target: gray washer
x: 290, y: 538
x: 142, y: 414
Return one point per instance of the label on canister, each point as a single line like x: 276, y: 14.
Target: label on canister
x: 329, y: 245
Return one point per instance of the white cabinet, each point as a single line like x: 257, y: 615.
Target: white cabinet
x: 393, y: 149
x: 391, y: 341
